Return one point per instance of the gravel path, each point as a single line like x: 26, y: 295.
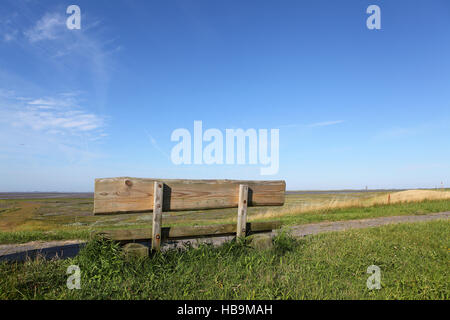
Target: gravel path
x: 69, y: 248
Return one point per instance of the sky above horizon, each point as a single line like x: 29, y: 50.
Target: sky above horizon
x: 354, y: 107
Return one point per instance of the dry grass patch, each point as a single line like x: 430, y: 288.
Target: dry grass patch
x: 339, y: 203
x: 415, y: 195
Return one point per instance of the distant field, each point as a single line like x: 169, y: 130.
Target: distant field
x: 60, y: 218
x: 413, y: 259
x: 46, y: 195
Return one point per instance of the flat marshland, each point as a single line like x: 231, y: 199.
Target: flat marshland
x: 23, y: 220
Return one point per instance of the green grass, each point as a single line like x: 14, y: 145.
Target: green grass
x: 27, y: 236
x: 397, y: 209
x: 414, y: 262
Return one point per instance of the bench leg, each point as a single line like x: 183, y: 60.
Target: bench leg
x: 242, y: 211
x: 157, y: 215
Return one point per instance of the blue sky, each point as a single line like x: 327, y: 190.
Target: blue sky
x: 354, y: 106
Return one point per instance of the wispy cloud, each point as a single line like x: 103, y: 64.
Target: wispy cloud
x: 8, y: 32
x: 57, y: 120
x: 34, y: 120
x: 325, y: 123
x: 58, y: 114
x: 312, y: 125
x: 39, y: 126
x: 10, y: 36
x: 399, y: 132
x: 49, y: 27
x: 156, y: 145
x: 54, y: 115
x: 47, y: 40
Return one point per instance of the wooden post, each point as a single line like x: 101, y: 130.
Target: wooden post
x: 242, y: 211
x: 157, y: 215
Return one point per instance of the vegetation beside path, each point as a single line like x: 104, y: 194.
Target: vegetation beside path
x: 412, y: 257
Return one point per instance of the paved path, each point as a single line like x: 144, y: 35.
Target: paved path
x: 313, y: 228
x: 66, y: 249
x: 47, y: 249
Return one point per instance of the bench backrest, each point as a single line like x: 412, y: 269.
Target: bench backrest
x: 121, y: 195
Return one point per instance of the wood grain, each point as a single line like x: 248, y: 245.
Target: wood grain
x: 242, y: 211
x: 124, y: 194
x: 157, y: 215
x: 178, y: 232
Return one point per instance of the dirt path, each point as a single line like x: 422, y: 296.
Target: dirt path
x: 70, y: 248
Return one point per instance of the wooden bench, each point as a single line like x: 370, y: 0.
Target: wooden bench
x: 127, y: 195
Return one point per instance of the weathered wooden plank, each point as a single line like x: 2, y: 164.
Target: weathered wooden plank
x: 157, y: 215
x: 263, y: 226
x: 242, y: 211
x: 119, y: 195
x: 200, y: 231
x: 125, y: 234
x: 187, y: 231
